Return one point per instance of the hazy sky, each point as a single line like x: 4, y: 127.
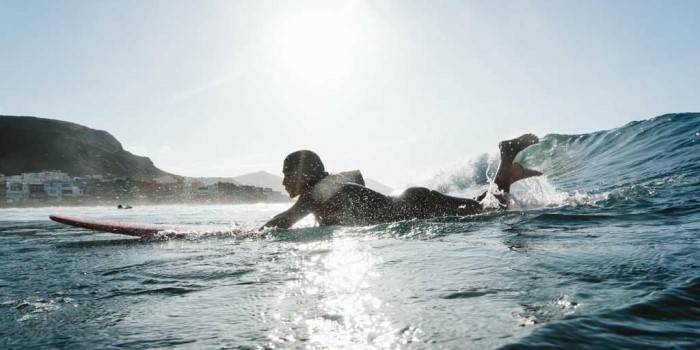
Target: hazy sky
x: 398, y: 89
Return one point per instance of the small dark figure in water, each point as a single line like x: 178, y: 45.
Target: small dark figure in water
x: 123, y: 207
x: 335, y: 200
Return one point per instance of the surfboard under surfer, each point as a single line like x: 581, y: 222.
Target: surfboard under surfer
x: 336, y: 199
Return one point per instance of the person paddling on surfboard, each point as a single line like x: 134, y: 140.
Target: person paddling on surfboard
x: 335, y: 199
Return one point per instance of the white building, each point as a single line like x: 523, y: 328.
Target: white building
x: 16, y: 191
x: 45, y: 176
x: 15, y: 178
x: 40, y: 186
x: 58, y: 190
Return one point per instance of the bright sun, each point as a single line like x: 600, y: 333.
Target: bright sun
x: 318, y: 46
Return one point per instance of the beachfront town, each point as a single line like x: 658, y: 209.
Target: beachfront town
x: 56, y: 187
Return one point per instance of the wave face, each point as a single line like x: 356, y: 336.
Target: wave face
x: 656, y: 158
x: 610, y: 232
x: 660, y: 153
x: 600, y: 252
x: 638, y: 184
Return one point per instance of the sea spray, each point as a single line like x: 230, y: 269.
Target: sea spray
x: 604, y: 256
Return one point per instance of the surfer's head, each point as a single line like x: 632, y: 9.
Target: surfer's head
x: 302, y: 170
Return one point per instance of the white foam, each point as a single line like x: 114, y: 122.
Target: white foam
x: 539, y: 192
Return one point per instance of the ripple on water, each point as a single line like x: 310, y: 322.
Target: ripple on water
x: 664, y: 318
x: 25, y: 310
x: 469, y: 294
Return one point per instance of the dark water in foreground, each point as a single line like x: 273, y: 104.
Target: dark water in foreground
x: 603, y: 253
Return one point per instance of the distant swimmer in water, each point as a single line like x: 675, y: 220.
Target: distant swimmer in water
x: 124, y: 206
x: 335, y: 199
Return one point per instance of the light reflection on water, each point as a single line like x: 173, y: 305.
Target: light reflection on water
x: 330, y: 305
x: 478, y: 283
x: 613, y: 265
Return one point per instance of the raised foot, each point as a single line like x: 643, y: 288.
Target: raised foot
x: 519, y: 172
x: 511, y: 148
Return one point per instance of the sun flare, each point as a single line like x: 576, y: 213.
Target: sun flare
x: 318, y: 46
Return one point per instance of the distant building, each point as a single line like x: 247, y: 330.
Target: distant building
x: 15, y: 191
x: 16, y: 178
x: 231, y: 192
x: 211, y: 190
x: 53, y: 189
x: 38, y: 186
x: 36, y: 191
x: 274, y: 196
x: 58, y: 190
x: 45, y: 176
x: 192, y: 188
x: 57, y: 186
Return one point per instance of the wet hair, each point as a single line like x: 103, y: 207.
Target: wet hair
x: 306, y: 162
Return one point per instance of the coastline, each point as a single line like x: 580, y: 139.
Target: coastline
x: 132, y: 202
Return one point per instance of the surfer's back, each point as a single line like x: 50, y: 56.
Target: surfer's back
x: 350, y: 204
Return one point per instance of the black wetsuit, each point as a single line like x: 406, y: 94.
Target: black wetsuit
x: 336, y: 203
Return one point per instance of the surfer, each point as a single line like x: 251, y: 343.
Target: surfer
x: 336, y: 200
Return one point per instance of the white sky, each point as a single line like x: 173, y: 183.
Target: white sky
x: 398, y: 89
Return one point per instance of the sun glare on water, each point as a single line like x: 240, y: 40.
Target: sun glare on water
x: 331, y: 304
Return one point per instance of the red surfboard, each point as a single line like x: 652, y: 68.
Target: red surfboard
x: 124, y: 228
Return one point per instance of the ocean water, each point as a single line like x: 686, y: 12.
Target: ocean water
x: 601, y: 252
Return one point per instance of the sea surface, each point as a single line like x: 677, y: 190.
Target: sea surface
x: 601, y: 252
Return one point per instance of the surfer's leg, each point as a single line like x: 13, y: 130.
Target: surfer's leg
x: 517, y: 173
x: 422, y: 203
x: 509, y: 149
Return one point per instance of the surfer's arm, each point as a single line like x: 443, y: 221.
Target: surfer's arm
x: 286, y: 219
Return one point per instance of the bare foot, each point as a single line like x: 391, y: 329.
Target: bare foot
x: 511, y: 148
x: 519, y: 172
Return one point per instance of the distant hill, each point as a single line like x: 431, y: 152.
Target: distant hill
x: 212, y: 180
x: 261, y: 179
x: 30, y: 144
x: 265, y: 179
